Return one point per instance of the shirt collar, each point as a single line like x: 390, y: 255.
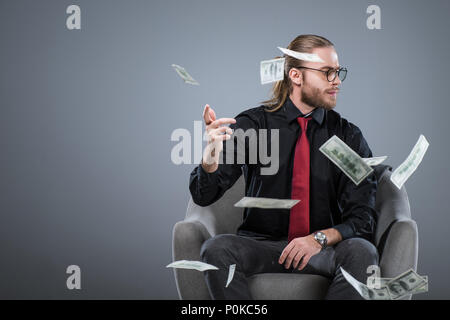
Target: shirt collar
x: 292, y: 112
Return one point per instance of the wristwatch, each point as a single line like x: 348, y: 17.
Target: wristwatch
x: 321, y: 238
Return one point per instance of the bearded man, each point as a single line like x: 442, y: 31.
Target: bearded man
x: 333, y: 224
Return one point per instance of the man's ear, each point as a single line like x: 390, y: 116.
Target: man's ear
x: 296, y: 76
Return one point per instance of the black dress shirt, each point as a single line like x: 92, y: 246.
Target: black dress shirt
x: 335, y: 201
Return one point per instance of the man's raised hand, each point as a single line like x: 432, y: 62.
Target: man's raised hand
x: 216, y: 132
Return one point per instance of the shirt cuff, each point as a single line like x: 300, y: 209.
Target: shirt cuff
x: 345, y: 230
x: 207, y: 178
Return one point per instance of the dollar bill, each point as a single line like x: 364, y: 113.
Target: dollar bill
x: 366, y: 292
x: 266, y: 203
x: 406, y: 169
x: 184, y: 75
x: 189, y: 264
x: 346, y: 159
x: 230, y: 274
x: 421, y: 289
x: 405, y: 284
x: 312, y: 57
x: 272, y: 70
x: 374, y: 161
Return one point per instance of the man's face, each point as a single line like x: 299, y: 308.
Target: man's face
x: 316, y: 90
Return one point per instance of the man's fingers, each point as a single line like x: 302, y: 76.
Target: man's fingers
x: 297, y: 259
x: 291, y: 256
x: 207, y: 115
x: 304, y: 262
x: 220, y: 137
x: 221, y: 121
x: 285, y: 252
x: 212, y: 114
x: 221, y: 130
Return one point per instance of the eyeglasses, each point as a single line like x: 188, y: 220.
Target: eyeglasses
x: 331, y: 73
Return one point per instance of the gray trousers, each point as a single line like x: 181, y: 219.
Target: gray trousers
x: 259, y: 255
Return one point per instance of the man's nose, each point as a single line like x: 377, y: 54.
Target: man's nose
x: 337, y: 81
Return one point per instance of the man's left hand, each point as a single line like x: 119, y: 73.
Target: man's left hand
x: 299, y: 249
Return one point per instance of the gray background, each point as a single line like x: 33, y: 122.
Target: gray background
x: 86, y: 117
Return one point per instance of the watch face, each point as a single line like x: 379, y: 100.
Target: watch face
x: 320, y: 236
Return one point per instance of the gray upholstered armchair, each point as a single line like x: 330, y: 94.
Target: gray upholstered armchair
x: 396, y: 239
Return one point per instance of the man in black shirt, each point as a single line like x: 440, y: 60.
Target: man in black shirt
x: 341, y: 214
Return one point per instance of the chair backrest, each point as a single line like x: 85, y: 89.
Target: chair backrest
x: 223, y: 217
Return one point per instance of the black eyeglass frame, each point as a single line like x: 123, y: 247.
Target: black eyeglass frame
x: 327, y: 73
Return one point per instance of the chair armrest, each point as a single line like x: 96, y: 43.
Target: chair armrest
x: 205, y: 216
x: 400, y: 251
x: 187, y: 239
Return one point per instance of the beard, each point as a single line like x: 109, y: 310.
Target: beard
x: 315, y: 98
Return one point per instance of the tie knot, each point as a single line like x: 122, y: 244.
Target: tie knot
x: 303, y: 122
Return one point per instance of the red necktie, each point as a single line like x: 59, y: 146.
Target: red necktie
x: 299, y: 218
